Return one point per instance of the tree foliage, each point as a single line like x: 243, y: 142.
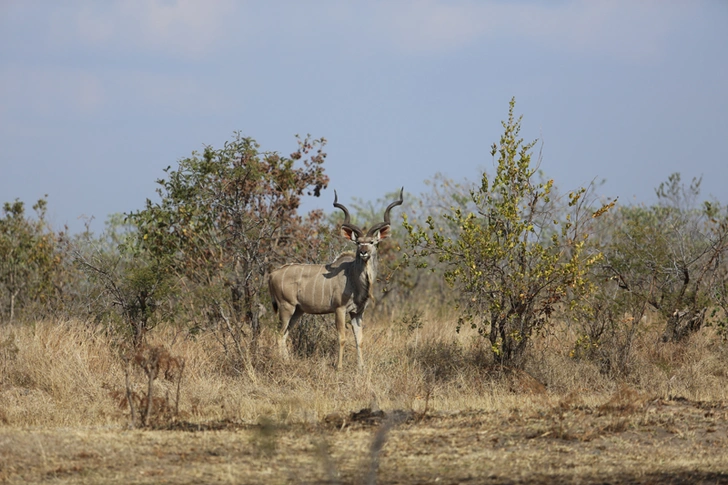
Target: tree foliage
x: 28, y: 258
x: 513, y: 258
x: 224, y: 217
x: 670, y: 255
x: 126, y: 288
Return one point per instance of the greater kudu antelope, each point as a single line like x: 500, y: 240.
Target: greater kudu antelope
x: 341, y: 287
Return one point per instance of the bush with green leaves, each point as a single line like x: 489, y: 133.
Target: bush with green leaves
x: 518, y: 255
x: 224, y: 218
x: 29, y: 261
x: 125, y: 288
x: 670, y: 256
x: 607, y: 325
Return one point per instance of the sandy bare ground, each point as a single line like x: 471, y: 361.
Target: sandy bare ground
x: 629, y: 441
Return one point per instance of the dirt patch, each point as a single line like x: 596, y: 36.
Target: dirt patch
x: 628, y: 440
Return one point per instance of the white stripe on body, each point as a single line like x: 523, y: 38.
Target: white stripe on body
x: 285, y: 272
x: 319, y: 276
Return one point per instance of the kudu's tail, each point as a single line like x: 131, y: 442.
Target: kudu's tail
x: 273, y: 300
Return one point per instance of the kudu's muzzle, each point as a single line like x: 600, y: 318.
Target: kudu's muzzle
x: 365, y: 251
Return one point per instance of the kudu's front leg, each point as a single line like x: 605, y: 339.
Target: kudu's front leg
x: 356, y: 327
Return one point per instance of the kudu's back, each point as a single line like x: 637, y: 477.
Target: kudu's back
x: 314, y: 288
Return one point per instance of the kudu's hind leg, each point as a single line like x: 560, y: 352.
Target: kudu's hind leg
x: 341, y: 329
x: 289, y: 316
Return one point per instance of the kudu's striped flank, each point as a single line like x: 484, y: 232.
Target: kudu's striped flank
x: 342, y: 287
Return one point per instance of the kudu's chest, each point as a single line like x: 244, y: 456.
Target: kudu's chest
x: 361, y: 283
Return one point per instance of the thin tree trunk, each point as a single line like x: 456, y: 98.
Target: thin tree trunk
x: 13, y: 295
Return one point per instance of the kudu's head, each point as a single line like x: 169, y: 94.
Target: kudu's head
x: 366, y: 241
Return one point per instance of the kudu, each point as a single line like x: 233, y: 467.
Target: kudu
x: 344, y: 286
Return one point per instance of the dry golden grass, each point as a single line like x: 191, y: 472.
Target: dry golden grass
x: 64, y: 418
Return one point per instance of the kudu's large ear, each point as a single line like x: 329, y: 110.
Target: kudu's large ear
x: 349, y: 233
x: 383, y: 232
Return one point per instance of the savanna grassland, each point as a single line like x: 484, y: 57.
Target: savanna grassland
x: 593, y: 344
x: 430, y: 408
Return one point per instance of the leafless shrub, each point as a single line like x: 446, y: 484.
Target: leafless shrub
x: 145, y: 408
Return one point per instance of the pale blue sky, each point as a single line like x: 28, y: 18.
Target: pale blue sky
x: 97, y: 97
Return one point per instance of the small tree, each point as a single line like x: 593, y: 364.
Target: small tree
x: 669, y: 255
x: 224, y: 217
x: 607, y: 324
x: 513, y: 259
x: 28, y: 258
x: 126, y: 288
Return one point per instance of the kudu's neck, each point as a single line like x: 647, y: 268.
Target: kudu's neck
x: 366, y: 272
x: 368, y: 265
